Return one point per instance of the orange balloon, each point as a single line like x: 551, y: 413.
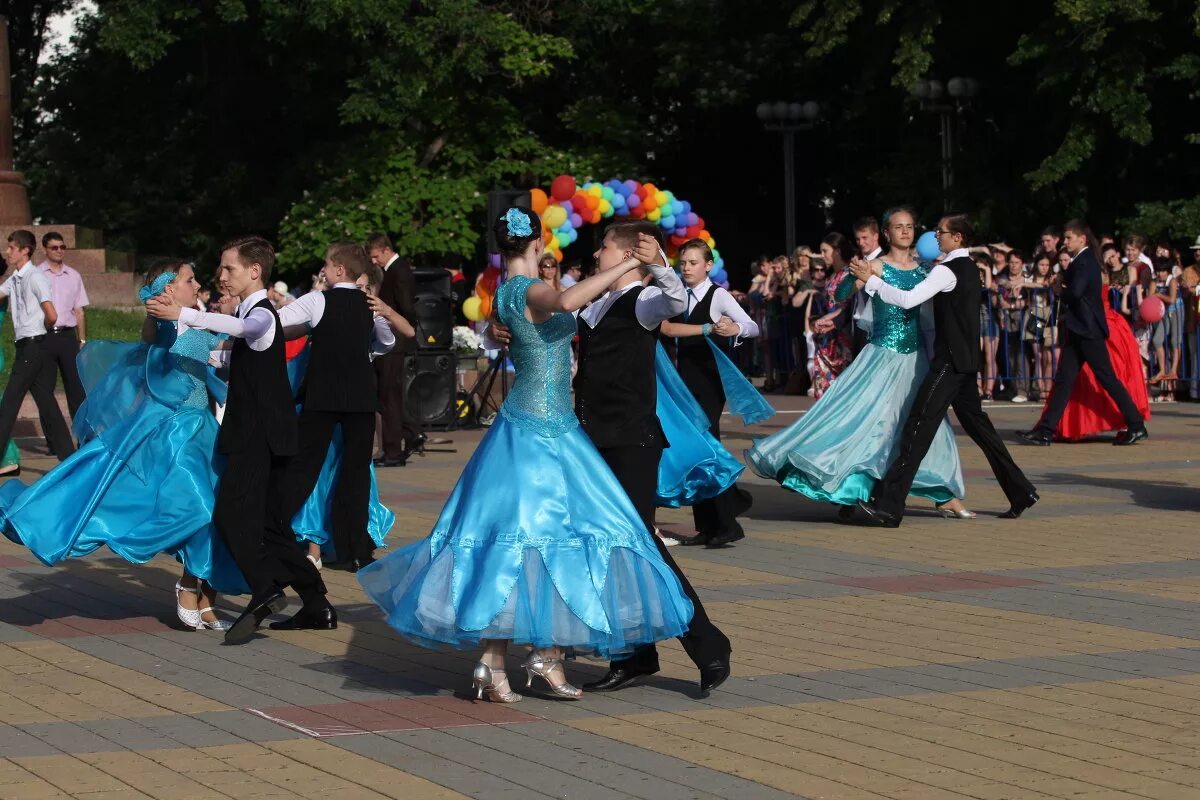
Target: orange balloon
x: 485, y: 307
x: 558, y: 255
x: 547, y: 235
x: 592, y: 201
x: 538, y: 200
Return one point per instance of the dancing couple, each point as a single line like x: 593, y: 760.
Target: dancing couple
x: 881, y: 430
x: 155, y: 475
x: 546, y: 538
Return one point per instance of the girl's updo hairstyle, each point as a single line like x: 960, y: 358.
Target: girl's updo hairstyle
x: 160, y: 266
x: 515, y: 230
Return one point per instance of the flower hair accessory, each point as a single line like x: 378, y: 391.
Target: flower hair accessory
x: 518, y: 223
x: 156, y: 288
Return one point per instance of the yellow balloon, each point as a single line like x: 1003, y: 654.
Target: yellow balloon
x: 654, y: 216
x: 595, y: 190
x: 555, y: 216
x: 472, y: 309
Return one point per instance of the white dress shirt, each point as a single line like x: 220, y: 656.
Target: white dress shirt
x: 255, y: 325
x: 722, y: 305
x: 310, y: 308
x: 941, y: 279
x: 874, y: 254
x: 391, y: 261
x: 655, y: 304
x: 28, y: 288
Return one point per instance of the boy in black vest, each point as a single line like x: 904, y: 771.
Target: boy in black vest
x: 615, y: 397
x: 339, y: 390
x: 710, y: 310
x: 955, y: 289
x: 258, y: 435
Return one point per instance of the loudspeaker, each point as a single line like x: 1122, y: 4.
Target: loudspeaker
x: 430, y: 390
x: 500, y: 201
x: 431, y: 304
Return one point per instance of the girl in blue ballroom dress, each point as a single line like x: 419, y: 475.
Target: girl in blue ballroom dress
x: 143, y: 479
x: 843, y: 445
x: 537, y: 544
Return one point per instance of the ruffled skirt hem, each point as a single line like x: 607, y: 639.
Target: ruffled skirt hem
x: 414, y: 587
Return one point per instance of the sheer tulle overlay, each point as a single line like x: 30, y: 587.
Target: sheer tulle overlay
x: 537, y: 542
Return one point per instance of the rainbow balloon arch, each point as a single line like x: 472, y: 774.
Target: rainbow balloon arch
x: 569, y: 205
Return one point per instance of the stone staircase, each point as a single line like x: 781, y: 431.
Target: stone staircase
x: 107, y: 274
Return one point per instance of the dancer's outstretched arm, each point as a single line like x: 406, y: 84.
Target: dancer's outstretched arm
x: 941, y: 279
x: 548, y: 300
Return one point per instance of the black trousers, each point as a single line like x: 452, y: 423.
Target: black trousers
x: 352, y: 494
x: 944, y: 389
x: 61, y: 348
x: 270, y: 559
x: 636, y: 469
x: 33, y: 373
x: 396, y: 424
x: 1077, y: 351
x: 717, y: 515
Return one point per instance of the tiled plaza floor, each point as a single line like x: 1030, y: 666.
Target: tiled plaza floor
x: 1057, y: 656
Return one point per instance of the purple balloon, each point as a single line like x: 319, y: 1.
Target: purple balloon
x: 634, y: 201
x: 692, y: 219
x: 576, y: 220
x: 494, y: 260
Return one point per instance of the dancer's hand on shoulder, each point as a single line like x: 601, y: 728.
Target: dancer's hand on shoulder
x: 227, y: 304
x: 162, y: 308
x: 646, y: 250
x: 500, y: 333
x: 823, y: 326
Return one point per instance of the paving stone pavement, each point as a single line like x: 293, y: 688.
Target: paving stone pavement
x: 1056, y: 656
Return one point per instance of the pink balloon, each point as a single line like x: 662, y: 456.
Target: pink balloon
x: 1152, y: 309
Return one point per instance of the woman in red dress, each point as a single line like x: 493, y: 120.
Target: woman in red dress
x: 834, y: 341
x: 1090, y: 410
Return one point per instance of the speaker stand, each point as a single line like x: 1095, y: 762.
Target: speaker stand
x: 481, y: 393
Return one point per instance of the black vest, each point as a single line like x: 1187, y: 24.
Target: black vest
x: 616, y: 391
x: 694, y: 358
x: 340, y: 376
x: 260, y: 405
x: 956, y: 317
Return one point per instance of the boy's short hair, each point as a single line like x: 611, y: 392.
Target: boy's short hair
x: 352, y: 256
x: 625, y: 234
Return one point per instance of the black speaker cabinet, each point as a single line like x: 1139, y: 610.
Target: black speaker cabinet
x: 430, y: 387
x: 431, y: 303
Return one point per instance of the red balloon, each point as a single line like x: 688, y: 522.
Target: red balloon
x: 562, y: 188
x: 579, y: 203
x: 1152, y: 309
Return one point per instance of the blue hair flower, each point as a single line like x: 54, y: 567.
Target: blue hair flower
x: 156, y: 288
x: 518, y: 223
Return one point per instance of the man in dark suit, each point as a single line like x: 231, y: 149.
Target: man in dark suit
x: 400, y: 437
x: 955, y: 289
x: 1084, y: 341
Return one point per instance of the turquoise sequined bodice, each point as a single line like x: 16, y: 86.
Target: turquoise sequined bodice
x: 191, y: 349
x: 896, y: 328
x: 540, y: 399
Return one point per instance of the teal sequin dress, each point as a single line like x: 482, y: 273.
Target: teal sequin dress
x: 537, y: 543
x: 844, y: 444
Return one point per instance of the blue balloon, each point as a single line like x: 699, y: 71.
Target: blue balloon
x: 927, y: 246
x: 717, y: 275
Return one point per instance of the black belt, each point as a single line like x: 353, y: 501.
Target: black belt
x: 63, y: 329
x: 31, y: 339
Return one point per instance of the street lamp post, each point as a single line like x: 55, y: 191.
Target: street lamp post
x: 930, y: 93
x: 787, y: 119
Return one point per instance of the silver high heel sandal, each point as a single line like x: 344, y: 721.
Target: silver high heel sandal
x: 542, y: 667
x: 217, y: 624
x: 484, y: 684
x: 950, y: 513
x: 188, y: 616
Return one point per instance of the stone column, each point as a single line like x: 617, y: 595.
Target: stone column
x: 14, y: 200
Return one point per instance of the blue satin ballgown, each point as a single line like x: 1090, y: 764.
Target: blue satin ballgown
x: 537, y: 543
x: 314, y: 521
x: 144, y: 477
x: 696, y: 466
x: 844, y: 444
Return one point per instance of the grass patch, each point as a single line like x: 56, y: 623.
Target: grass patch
x: 102, y: 323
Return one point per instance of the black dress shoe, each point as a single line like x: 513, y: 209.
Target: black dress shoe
x: 1131, y: 436
x: 415, y: 445
x: 845, y: 513
x: 1037, y: 436
x: 348, y: 565
x: 258, y: 610
x: 1016, y: 509
x: 11, y: 473
x: 365, y: 561
x: 617, y: 678
x: 713, y: 676
x: 698, y: 540
x: 321, y: 619
x: 716, y: 540
x: 391, y: 462
x: 878, y: 516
